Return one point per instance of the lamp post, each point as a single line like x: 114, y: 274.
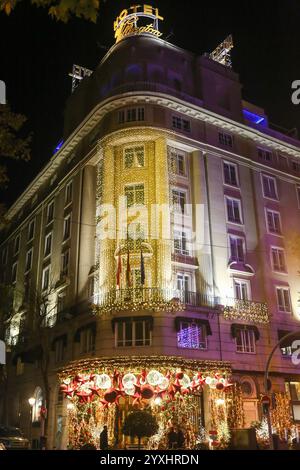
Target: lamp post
x: 287, y: 336
x: 31, y: 402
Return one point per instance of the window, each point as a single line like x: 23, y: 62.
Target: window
x: 181, y: 243
x: 17, y: 245
x: 283, y: 299
x: 36, y: 409
x: 133, y: 333
x: 278, y: 259
x: 87, y: 340
x: 264, y: 155
x: 273, y: 222
x: 14, y: 272
x: 59, y: 350
x: 245, y: 341
x: 4, y: 256
x: 295, y: 166
x: 67, y: 227
x: 135, y: 194
x: 65, y: 259
x: 192, y: 336
x: 69, y: 193
x: 237, y: 253
x: 181, y: 124
x: 31, y: 228
x: 178, y: 164
x: 241, y: 289
x: 134, y: 157
x: 50, y: 212
x: 131, y: 115
x: 225, y: 139
x: 230, y: 174
x: 179, y: 200
x: 298, y: 195
x: 61, y: 301
x: 28, y: 262
x: 233, y: 207
x: 269, y: 187
x: 46, y: 278
x: 183, y: 282
x: 48, y: 244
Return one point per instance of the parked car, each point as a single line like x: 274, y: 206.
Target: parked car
x: 12, y: 438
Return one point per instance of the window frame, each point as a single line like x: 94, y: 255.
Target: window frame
x: 247, y: 283
x: 236, y: 237
x: 244, y: 341
x: 235, y: 166
x: 65, y: 253
x: 135, y: 160
x: 46, y: 269
x: 48, y: 236
x: 17, y: 243
x: 51, y: 204
x: 273, y: 178
x: 30, y: 236
x: 203, y: 333
x: 67, y: 218
x: 287, y: 289
x: 30, y: 251
x: 69, y: 193
x: 123, y: 343
x: 134, y: 185
x: 230, y: 198
x: 268, y: 210
x: 282, y: 250
x: 225, y: 139
x: 14, y: 272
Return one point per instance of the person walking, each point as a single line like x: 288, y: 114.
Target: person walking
x: 104, y: 439
x: 172, y: 439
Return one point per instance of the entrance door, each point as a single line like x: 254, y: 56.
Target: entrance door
x: 251, y: 413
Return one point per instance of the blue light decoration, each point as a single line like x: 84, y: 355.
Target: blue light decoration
x: 59, y: 146
x: 255, y: 118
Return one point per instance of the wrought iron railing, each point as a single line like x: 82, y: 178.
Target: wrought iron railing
x: 247, y: 310
x: 151, y: 298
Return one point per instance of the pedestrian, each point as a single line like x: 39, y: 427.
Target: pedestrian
x: 104, y: 439
x: 180, y: 439
x: 172, y: 439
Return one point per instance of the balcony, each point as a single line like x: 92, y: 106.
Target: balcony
x: 154, y: 299
x: 246, y: 310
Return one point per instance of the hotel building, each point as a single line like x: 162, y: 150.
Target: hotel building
x: 211, y: 291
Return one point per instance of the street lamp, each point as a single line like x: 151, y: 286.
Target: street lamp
x: 266, y: 375
x: 31, y: 402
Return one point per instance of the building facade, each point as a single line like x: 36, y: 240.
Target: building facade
x: 161, y: 237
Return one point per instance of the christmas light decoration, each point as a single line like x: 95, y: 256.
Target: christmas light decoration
x: 248, y: 311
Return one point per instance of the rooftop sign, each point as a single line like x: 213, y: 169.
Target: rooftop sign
x: 135, y: 20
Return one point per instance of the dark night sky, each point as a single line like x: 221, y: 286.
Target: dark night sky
x: 37, y: 54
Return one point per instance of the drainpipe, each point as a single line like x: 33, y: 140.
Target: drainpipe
x: 211, y: 249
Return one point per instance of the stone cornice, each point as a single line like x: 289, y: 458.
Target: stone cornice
x: 159, y: 99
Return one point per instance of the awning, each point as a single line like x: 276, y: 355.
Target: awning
x: 236, y: 326
x: 89, y: 326
x: 63, y: 338
x: 198, y: 321
x: 29, y: 356
x: 131, y: 319
x: 287, y: 342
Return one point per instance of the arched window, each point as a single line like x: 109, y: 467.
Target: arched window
x: 36, y: 409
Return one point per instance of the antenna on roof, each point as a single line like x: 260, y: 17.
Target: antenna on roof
x: 78, y: 74
x: 222, y: 52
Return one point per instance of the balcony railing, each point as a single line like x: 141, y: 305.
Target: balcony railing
x: 154, y: 298
x: 247, y: 310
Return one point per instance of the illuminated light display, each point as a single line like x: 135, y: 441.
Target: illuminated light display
x: 253, y: 117
x: 129, y: 21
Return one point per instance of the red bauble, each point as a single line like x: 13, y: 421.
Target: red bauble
x: 179, y: 375
x: 147, y: 392
x: 219, y: 386
x: 111, y: 395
